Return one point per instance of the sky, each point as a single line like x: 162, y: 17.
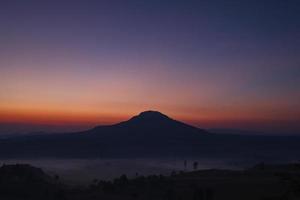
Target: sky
x: 213, y: 64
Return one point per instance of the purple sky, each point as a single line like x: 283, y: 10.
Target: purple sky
x: 232, y: 64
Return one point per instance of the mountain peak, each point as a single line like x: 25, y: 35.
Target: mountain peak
x: 150, y: 115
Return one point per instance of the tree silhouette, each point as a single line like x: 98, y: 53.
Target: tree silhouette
x: 195, y: 165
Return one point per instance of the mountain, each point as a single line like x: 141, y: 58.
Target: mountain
x: 150, y: 125
x: 152, y: 120
x: 150, y: 134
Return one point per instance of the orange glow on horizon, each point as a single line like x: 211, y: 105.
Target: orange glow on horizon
x: 90, y: 118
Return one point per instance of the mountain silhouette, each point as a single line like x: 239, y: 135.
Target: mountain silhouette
x: 151, y: 125
x: 155, y: 120
x: 149, y: 134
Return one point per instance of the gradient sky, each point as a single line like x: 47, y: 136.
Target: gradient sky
x: 232, y: 64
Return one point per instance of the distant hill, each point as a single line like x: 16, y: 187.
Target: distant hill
x: 22, y: 181
x: 236, y: 131
x: 150, y: 134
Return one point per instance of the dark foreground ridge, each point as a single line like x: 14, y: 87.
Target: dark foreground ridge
x: 262, y: 182
x: 22, y: 181
x: 151, y: 134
